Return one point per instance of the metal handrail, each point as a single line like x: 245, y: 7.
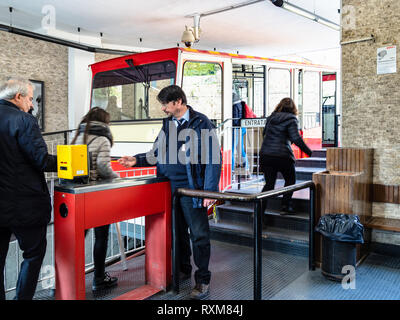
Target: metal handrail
x: 57, y: 132
x: 225, y: 121
x: 64, y: 132
x: 257, y: 199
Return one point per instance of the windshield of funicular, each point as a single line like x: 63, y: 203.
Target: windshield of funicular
x: 130, y: 93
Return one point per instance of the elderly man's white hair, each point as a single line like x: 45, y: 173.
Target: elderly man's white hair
x: 13, y: 86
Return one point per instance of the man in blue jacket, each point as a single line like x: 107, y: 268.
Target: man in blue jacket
x: 187, y: 152
x: 25, y: 206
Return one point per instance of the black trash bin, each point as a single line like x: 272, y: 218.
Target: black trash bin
x: 340, y: 234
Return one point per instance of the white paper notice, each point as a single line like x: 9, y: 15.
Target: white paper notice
x: 386, y: 60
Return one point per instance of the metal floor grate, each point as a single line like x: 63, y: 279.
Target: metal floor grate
x: 377, y: 278
x: 285, y: 277
x: 128, y: 280
x: 231, y: 269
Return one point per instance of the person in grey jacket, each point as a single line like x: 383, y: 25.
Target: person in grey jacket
x: 276, y: 154
x: 95, y: 132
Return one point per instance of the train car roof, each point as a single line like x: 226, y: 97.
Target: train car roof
x: 171, y: 54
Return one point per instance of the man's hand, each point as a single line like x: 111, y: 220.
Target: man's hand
x: 127, y: 161
x: 208, y: 202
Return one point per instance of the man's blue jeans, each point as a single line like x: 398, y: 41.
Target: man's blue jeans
x: 197, y: 221
x: 32, y: 242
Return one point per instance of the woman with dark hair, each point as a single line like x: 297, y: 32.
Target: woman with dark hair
x: 276, y: 154
x: 94, y: 131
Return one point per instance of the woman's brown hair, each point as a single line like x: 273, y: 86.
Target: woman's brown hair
x: 286, y: 105
x: 94, y: 114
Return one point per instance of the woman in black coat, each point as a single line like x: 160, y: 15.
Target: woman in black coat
x: 276, y: 154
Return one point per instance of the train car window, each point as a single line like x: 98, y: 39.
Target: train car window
x: 248, y: 82
x: 311, y: 100
x: 278, y: 87
x: 202, y: 83
x: 130, y: 93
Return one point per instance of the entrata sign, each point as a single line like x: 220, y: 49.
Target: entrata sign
x: 253, y: 123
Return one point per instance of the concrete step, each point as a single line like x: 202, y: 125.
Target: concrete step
x: 244, y: 213
x: 273, y: 238
x: 248, y: 187
x: 304, y: 173
x: 284, y: 233
x: 316, y: 162
x: 321, y: 153
x: 301, y: 205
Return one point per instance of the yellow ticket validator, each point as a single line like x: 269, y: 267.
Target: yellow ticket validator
x: 72, y: 161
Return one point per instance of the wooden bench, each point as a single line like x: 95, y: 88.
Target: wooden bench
x: 385, y: 194
x: 386, y: 224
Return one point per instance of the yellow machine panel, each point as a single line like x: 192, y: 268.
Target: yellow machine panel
x: 72, y: 161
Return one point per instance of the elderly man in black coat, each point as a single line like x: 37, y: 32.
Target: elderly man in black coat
x: 25, y: 205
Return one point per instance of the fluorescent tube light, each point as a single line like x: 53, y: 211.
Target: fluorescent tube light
x: 306, y: 14
x: 328, y: 24
x: 299, y: 11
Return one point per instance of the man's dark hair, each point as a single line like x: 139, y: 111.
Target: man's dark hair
x: 171, y: 93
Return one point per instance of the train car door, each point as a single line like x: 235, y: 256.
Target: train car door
x: 329, y: 118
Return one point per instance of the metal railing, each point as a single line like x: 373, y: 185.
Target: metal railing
x: 257, y: 199
x: 311, y: 120
x: 64, y: 133
x: 244, y: 160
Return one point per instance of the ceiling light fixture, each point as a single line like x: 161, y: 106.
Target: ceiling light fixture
x: 328, y: 23
x: 235, y: 6
x: 299, y: 11
x: 306, y: 14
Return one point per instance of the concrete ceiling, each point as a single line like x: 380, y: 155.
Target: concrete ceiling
x: 260, y: 29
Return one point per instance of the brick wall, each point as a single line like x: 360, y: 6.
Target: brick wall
x: 371, y: 102
x: 39, y: 60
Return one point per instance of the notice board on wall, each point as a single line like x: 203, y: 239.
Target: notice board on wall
x: 386, y: 60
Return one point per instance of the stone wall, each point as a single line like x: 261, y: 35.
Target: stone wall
x: 39, y: 60
x: 371, y: 102
x: 98, y: 57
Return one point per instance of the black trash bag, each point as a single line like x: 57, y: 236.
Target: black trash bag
x: 341, y: 227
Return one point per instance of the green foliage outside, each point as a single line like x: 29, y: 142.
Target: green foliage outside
x: 200, y: 69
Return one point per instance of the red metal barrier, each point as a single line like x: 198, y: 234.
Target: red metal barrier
x: 313, y: 144
x: 226, y: 171
x: 133, y: 171
x: 75, y: 211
